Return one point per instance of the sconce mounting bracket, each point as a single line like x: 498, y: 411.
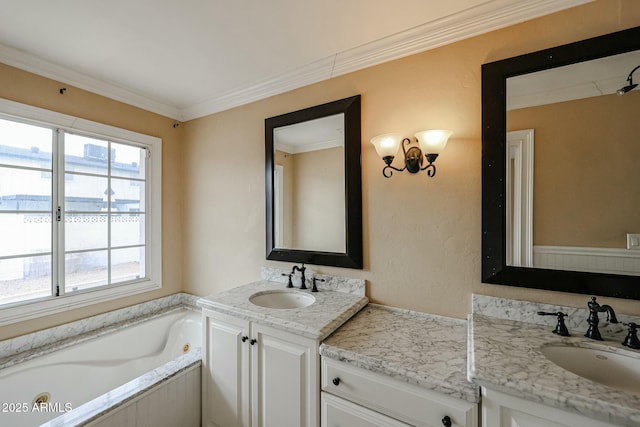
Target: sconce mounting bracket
x: 413, y: 159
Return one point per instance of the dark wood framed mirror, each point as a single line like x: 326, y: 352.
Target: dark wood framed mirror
x: 314, y: 185
x: 498, y: 265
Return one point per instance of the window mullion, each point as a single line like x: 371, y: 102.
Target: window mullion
x: 109, y: 194
x: 58, y: 214
x: 147, y: 208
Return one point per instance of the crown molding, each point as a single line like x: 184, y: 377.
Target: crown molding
x: 477, y: 20
x: 24, y: 61
x: 474, y: 21
x: 292, y: 79
x: 471, y: 22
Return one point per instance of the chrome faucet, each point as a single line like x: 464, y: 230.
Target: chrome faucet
x: 303, y: 279
x: 593, y: 320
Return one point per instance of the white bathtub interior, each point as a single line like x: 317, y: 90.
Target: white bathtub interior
x: 82, y: 372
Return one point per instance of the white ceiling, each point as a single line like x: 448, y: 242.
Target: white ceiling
x: 188, y: 58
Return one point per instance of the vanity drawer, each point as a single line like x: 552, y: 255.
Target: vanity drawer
x: 397, y: 399
x: 338, y: 412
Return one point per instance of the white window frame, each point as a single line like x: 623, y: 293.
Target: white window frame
x: 31, y: 309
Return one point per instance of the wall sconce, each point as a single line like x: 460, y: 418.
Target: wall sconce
x: 431, y: 143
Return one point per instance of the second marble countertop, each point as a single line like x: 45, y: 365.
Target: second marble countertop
x: 506, y: 356
x: 425, y: 350
x: 330, y: 310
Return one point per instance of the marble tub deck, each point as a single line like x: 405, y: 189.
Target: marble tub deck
x: 421, y: 349
x: 90, y: 411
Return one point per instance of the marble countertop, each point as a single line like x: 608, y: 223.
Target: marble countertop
x: 425, y: 350
x: 505, y: 355
x: 330, y: 310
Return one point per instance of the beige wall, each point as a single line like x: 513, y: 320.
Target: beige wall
x: 421, y: 235
x: 311, y: 195
x: 585, y: 170
x: 318, y: 220
x: 33, y: 90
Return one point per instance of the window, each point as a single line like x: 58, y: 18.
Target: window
x: 79, y: 212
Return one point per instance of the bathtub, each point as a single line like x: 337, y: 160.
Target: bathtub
x: 57, y: 386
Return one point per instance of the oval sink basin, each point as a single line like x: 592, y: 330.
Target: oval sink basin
x: 611, y: 369
x: 285, y: 299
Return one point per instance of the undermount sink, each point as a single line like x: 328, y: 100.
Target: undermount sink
x: 612, y: 369
x: 283, y: 299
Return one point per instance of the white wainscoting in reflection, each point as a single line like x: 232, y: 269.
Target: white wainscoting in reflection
x: 598, y: 260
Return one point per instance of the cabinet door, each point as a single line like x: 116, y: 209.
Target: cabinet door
x: 225, y: 371
x: 502, y: 410
x: 285, y: 379
x: 337, y: 412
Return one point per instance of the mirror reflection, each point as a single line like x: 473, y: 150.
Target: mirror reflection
x: 572, y: 156
x: 309, y: 185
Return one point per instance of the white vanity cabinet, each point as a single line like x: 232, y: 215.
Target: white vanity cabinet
x: 503, y: 410
x: 257, y: 376
x: 353, y: 396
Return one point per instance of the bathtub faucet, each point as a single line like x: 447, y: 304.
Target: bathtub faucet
x: 303, y: 280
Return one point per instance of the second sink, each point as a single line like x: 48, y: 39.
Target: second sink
x: 605, y: 367
x: 283, y: 299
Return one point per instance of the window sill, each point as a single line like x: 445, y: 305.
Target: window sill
x: 52, y: 305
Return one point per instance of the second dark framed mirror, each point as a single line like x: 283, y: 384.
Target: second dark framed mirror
x: 573, y: 225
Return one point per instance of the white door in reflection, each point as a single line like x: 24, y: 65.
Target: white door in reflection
x: 520, y: 198
x: 278, y: 174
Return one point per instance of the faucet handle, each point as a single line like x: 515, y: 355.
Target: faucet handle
x: 290, y: 284
x: 315, y: 279
x: 631, y: 339
x: 561, y: 328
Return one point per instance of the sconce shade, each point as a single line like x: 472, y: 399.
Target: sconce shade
x: 433, y: 141
x: 387, y: 145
